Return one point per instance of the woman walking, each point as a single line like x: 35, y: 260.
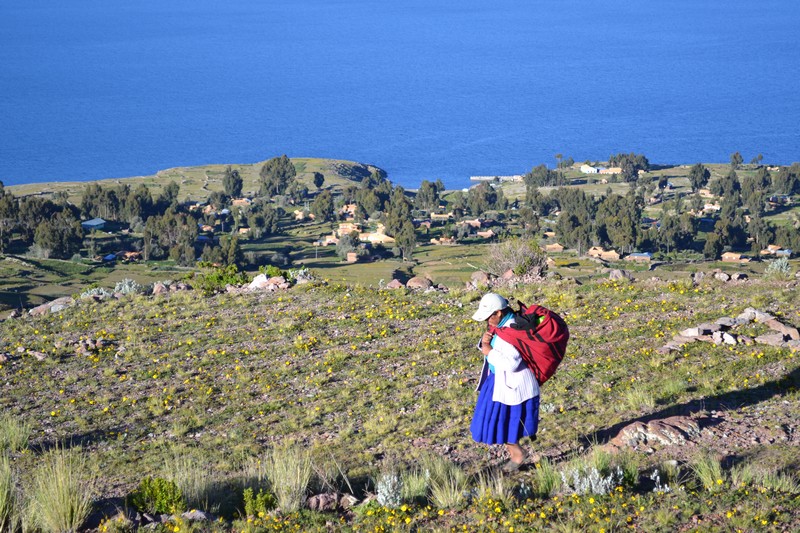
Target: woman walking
x: 508, y: 401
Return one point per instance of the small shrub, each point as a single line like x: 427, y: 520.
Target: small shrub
x: 96, y: 291
x: 637, y: 399
x: 494, y: 485
x: 448, y: 482
x: 215, y: 279
x: 415, y: 484
x: 256, y: 504
x: 271, y: 271
x: 523, y: 257
x: 127, y: 286
x: 158, y: 495
x: 591, y: 481
x: 390, y: 489
x: 199, y: 489
x: 14, y: 435
x: 60, y: 494
x: 546, y: 478
x: 289, y: 471
x: 708, y: 471
x: 778, y: 269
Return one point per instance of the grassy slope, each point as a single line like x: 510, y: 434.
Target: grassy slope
x: 197, y: 182
x: 363, y: 375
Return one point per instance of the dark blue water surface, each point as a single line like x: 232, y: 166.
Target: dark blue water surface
x: 426, y: 89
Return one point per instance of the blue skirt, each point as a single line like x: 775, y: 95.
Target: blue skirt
x: 498, y: 423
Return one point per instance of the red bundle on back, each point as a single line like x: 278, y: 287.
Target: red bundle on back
x: 540, y: 336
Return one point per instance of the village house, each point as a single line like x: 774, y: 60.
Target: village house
x: 611, y: 170
x: 588, y: 169
x: 300, y: 215
x: 129, y: 256
x: 352, y: 257
x: 94, y: 224
x: 734, y: 257
x: 601, y: 253
x: 549, y: 234
x: 348, y: 227
x: 244, y: 230
x: 441, y: 217
x: 377, y: 237
x: 639, y: 257
x: 488, y: 234
x: 348, y: 210
x: 447, y: 241
x: 241, y: 202
x: 197, y: 205
x: 206, y: 227
x: 475, y: 224
x: 423, y: 224
x: 705, y: 193
x: 330, y: 239
x: 711, y: 208
x: 554, y: 247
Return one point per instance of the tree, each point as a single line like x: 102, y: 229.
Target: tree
x: 347, y: 243
x: 8, y: 217
x: 541, y: 176
x: 323, y: 206
x: 787, y: 180
x: 60, y: 236
x: 481, y: 198
x: 726, y: 186
x: 713, y: 246
x: 276, y: 175
x: 698, y: 176
x: 736, y: 160
x: 319, y: 179
x: 427, y: 196
x: 406, y: 239
x: 399, y: 211
x: 757, y: 160
x: 232, y: 183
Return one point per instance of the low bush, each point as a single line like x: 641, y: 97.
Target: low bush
x: 158, y: 495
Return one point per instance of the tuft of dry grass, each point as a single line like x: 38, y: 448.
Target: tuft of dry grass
x: 60, y: 494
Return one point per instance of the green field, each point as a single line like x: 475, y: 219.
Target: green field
x: 199, y: 390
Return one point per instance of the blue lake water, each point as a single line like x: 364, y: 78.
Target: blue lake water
x: 425, y: 89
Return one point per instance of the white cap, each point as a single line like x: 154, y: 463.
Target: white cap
x: 490, y: 303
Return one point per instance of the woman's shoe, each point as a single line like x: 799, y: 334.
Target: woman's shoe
x: 512, y: 466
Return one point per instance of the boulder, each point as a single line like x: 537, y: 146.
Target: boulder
x: 479, y: 278
x: 259, y: 282
x: 738, y: 276
x: 395, y: 284
x: 508, y: 274
x: 761, y: 316
x: 697, y: 277
x: 323, y: 502
x: 780, y: 327
x: 722, y: 276
x: 418, y: 282
x: 726, y: 322
x: 675, y: 430
x: 160, y: 288
x: 617, y: 274
x: 195, y: 515
x: 772, y: 339
x: 59, y: 304
x: 748, y: 315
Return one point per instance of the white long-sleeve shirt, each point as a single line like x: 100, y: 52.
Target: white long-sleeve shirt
x: 514, y: 382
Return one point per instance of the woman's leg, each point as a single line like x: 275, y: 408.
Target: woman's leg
x: 515, y: 452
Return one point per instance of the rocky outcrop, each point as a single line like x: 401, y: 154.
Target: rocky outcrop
x: 419, y: 282
x: 672, y: 431
x: 721, y: 332
x: 59, y: 304
x: 263, y: 283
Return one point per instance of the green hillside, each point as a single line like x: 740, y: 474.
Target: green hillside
x: 369, y: 382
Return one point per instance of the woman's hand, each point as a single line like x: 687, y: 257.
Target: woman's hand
x: 486, y: 343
